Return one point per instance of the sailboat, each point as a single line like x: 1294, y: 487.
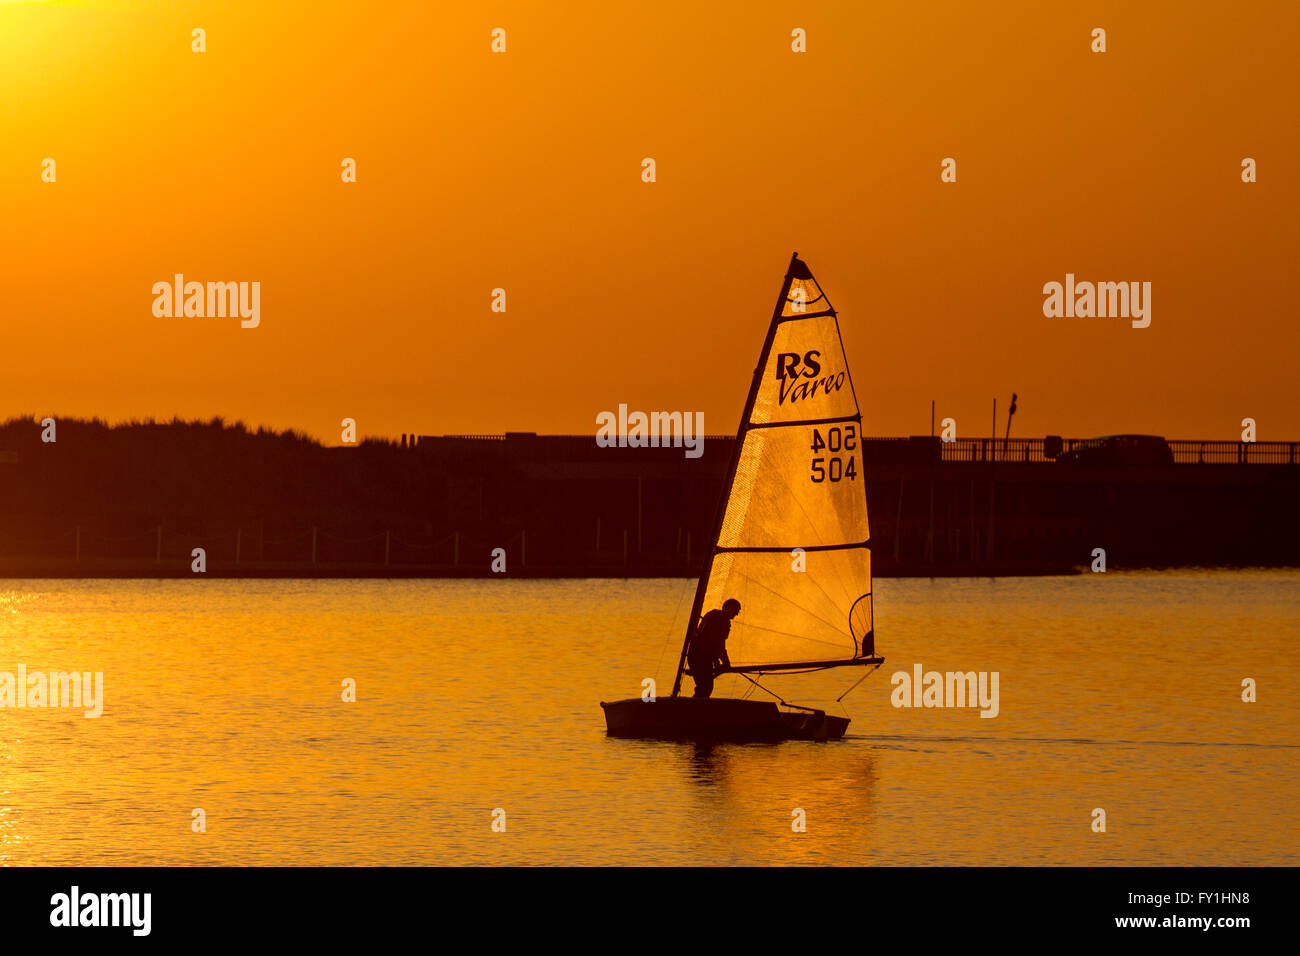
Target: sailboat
x: 790, y: 543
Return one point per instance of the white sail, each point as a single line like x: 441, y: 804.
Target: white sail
x: 797, y: 484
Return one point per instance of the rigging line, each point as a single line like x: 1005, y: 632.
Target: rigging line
x: 857, y: 682
x: 762, y: 688
x: 668, y: 641
x: 799, y: 607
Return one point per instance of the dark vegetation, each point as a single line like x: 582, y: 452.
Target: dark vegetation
x: 203, y: 481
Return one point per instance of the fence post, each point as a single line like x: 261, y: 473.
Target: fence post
x: 988, y: 554
x: 898, y: 521
x: 972, y: 519
x: 929, y: 534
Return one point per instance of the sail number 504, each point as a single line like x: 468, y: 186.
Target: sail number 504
x: 835, y: 466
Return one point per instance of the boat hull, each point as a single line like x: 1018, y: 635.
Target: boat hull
x: 717, y: 718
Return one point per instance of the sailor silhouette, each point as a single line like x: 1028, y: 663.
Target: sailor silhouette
x: 708, y: 647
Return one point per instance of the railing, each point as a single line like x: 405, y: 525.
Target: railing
x: 1000, y: 449
x: 1185, y: 452
x: 1235, y: 452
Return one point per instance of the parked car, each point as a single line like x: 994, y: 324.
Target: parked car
x: 1120, y: 450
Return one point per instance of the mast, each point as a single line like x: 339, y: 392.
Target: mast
x: 796, y: 270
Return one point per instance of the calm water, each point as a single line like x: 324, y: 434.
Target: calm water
x: 1120, y: 691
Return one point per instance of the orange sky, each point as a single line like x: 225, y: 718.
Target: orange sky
x: 522, y: 171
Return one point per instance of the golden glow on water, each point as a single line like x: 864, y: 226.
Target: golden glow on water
x: 1119, y: 691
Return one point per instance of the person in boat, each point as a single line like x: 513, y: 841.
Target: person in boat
x: 707, y: 655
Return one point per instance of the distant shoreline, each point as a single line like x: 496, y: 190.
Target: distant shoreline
x: 138, y: 500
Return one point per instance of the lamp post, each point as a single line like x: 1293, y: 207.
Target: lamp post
x: 1007, y: 438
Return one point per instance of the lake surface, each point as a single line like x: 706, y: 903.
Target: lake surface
x: 1119, y: 691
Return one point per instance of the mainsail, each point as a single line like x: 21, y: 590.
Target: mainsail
x: 795, y: 482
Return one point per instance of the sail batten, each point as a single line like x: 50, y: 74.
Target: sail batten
x: 792, y: 542
x: 787, y: 549
x: 807, y: 421
x: 808, y: 315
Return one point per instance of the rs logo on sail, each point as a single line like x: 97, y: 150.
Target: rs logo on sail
x: 794, y: 373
